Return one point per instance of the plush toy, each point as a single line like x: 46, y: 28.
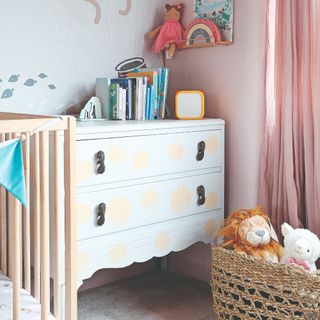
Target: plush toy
x: 249, y: 231
x: 301, y: 247
x: 170, y: 33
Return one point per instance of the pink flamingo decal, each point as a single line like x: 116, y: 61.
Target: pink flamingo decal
x: 98, y: 10
x: 127, y: 9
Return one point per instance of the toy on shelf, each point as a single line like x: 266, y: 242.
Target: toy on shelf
x: 200, y: 33
x: 92, y: 110
x: 248, y: 231
x: 301, y: 247
x: 170, y: 34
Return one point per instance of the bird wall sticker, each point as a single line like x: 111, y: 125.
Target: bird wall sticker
x: 7, y: 93
x: 30, y: 82
x: 14, y: 78
x: 13, y: 84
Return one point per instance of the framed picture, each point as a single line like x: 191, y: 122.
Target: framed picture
x: 218, y: 11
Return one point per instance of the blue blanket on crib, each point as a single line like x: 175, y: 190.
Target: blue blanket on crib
x: 12, y: 169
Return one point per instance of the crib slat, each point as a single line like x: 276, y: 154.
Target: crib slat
x: 10, y: 200
x: 70, y: 222
x: 3, y: 223
x: 36, y: 213
x: 15, y: 212
x: 45, y: 245
x: 26, y: 217
x: 57, y: 226
x: 16, y: 258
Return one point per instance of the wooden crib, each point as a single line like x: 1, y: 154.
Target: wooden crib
x: 29, y: 236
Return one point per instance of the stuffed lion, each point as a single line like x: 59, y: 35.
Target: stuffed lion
x: 249, y: 231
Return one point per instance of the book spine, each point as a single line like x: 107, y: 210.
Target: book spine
x: 102, y: 92
x: 113, y: 93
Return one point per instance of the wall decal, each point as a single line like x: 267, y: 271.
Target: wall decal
x: 14, y: 78
x: 30, y: 82
x: 127, y: 9
x: 7, y: 93
x: 52, y: 86
x: 42, y: 76
x: 98, y: 10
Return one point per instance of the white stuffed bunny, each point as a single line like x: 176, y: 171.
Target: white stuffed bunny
x: 301, y: 247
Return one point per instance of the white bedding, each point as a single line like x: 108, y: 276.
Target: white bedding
x: 30, y: 307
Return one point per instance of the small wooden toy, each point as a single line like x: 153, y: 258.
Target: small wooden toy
x: 201, y: 33
x: 170, y: 34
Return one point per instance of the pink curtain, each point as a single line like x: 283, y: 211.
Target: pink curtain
x: 290, y: 162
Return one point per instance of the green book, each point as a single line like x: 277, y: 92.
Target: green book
x: 113, y: 92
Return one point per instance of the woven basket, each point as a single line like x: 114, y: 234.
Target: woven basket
x: 247, y: 288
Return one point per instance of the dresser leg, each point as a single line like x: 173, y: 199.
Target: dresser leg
x: 161, y: 264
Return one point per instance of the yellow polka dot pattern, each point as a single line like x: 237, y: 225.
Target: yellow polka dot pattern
x: 117, y: 253
x: 141, y: 160
x: 176, y: 151
x: 116, y: 154
x: 119, y: 210
x: 212, y: 143
x: 84, y: 213
x: 211, y: 200
x: 210, y: 229
x: 162, y: 241
x: 149, y: 199
x: 181, y: 198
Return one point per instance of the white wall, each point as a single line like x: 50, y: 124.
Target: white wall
x: 232, y: 78
x: 61, y: 39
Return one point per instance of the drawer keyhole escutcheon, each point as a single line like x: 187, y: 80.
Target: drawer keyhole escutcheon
x: 100, y: 157
x: 201, y: 149
x: 101, y: 214
x: 201, y: 195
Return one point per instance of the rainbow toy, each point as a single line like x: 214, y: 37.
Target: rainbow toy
x: 201, y: 32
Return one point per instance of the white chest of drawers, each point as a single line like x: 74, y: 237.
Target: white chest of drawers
x: 146, y: 188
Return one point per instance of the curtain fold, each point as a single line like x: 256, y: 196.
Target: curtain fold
x: 290, y: 157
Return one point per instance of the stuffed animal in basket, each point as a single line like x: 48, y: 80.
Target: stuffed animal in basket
x: 249, y: 231
x: 301, y: 247
x: 170, y: 33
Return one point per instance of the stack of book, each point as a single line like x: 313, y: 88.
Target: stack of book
x: 140, y: 96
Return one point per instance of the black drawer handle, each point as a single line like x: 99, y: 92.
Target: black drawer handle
x: 100, y: 157
x: 101, y: 214
x: 201, y: 192
x: 201, y: 149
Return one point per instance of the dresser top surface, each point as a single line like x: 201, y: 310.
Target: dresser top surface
x: 89, y: 126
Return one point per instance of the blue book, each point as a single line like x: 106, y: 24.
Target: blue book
x: 163, y: 91
x: 153, y: 102
x: 147, y: 111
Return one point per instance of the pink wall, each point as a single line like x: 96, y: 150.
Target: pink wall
x: 232, y: 78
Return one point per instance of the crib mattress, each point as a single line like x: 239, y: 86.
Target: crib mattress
x: 30, y: 307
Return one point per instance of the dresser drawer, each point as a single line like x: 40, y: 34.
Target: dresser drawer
x: 118, y: 159
x: 139, y: 205
x: 121, y: 249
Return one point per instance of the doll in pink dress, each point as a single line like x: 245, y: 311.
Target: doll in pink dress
x: 170, y: 34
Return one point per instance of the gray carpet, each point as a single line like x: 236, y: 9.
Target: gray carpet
x: 151, y: 296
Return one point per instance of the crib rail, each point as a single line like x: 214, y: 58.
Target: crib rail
x: 25, y: 232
